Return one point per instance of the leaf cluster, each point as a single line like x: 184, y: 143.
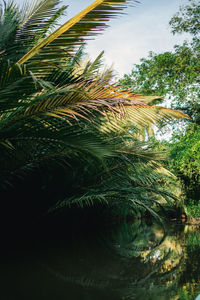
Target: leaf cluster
x: 187, y: 19
x: 184, y: 159
x: 66, y: 130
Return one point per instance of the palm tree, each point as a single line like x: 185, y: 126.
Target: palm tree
x: 65, y: 128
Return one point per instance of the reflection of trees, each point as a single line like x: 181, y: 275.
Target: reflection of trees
x: 134, y: 260
x: 158, y: 268
x: 173, y: 268
x: 190, y: 277
x: 129, y: 262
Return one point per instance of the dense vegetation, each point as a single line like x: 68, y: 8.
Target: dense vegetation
x: 77, y: 149
x: 176, y: 76
x: 68, y: 135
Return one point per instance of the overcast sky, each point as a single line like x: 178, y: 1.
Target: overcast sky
x: 130, y: 37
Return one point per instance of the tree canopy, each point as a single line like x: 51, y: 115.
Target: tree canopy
x: 175, y: 76
x: 187, y: 19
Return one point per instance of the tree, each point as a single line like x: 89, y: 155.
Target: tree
x: 175, y: 75
x: 185, y: 160
x: 187, y: 19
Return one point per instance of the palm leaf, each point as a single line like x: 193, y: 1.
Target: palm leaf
x: 96, y: 95
x: 37, y: 18
x: 150, y: 99
x: 87, y: 23
x: 9, y: 22
x: 79, y: 98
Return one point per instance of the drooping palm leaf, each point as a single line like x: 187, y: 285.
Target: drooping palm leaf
x: 134, y: 181
x: 83, y: 98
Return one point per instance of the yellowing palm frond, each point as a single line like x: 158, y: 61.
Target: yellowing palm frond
x: 82, y: 99
x: 150, y: 99
x: 73, y: 33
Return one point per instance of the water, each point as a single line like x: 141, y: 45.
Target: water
x: 127, y: 261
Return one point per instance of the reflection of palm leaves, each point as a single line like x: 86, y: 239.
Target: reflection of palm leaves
x: 83, y: 281
x: 156, y: 282
x: 134, y: 239
x: 126, y: 275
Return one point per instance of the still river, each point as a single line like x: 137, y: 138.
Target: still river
x: 131, y: 261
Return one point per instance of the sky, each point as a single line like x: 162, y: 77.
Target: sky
x: 130, y: 37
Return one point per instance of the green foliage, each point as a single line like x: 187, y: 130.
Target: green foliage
x: 185, y: 152
x: 20, y: 29
x: 185, y: 160
x: 188, y: 291
x: 175, y: 76
x: 68, y: 135
x: 192, y: 209
x: 187, y: 19
x: 172, y: 74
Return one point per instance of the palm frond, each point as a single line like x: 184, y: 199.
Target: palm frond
x: 37, y: 18
x: 9, y: 22
x: 73, y: 33
x: 21, y: 29
x: 80, y: 98
x: 16, y: 86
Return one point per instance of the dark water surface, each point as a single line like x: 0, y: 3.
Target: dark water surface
x: 129, y: 261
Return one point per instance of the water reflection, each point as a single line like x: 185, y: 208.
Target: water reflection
x: 131, y: 261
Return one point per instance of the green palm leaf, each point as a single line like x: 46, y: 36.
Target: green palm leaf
x: 21, y: 29
x: 37, y: 18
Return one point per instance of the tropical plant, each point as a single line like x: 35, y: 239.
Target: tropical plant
x: 175, y: 76
x: 66, y: 132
